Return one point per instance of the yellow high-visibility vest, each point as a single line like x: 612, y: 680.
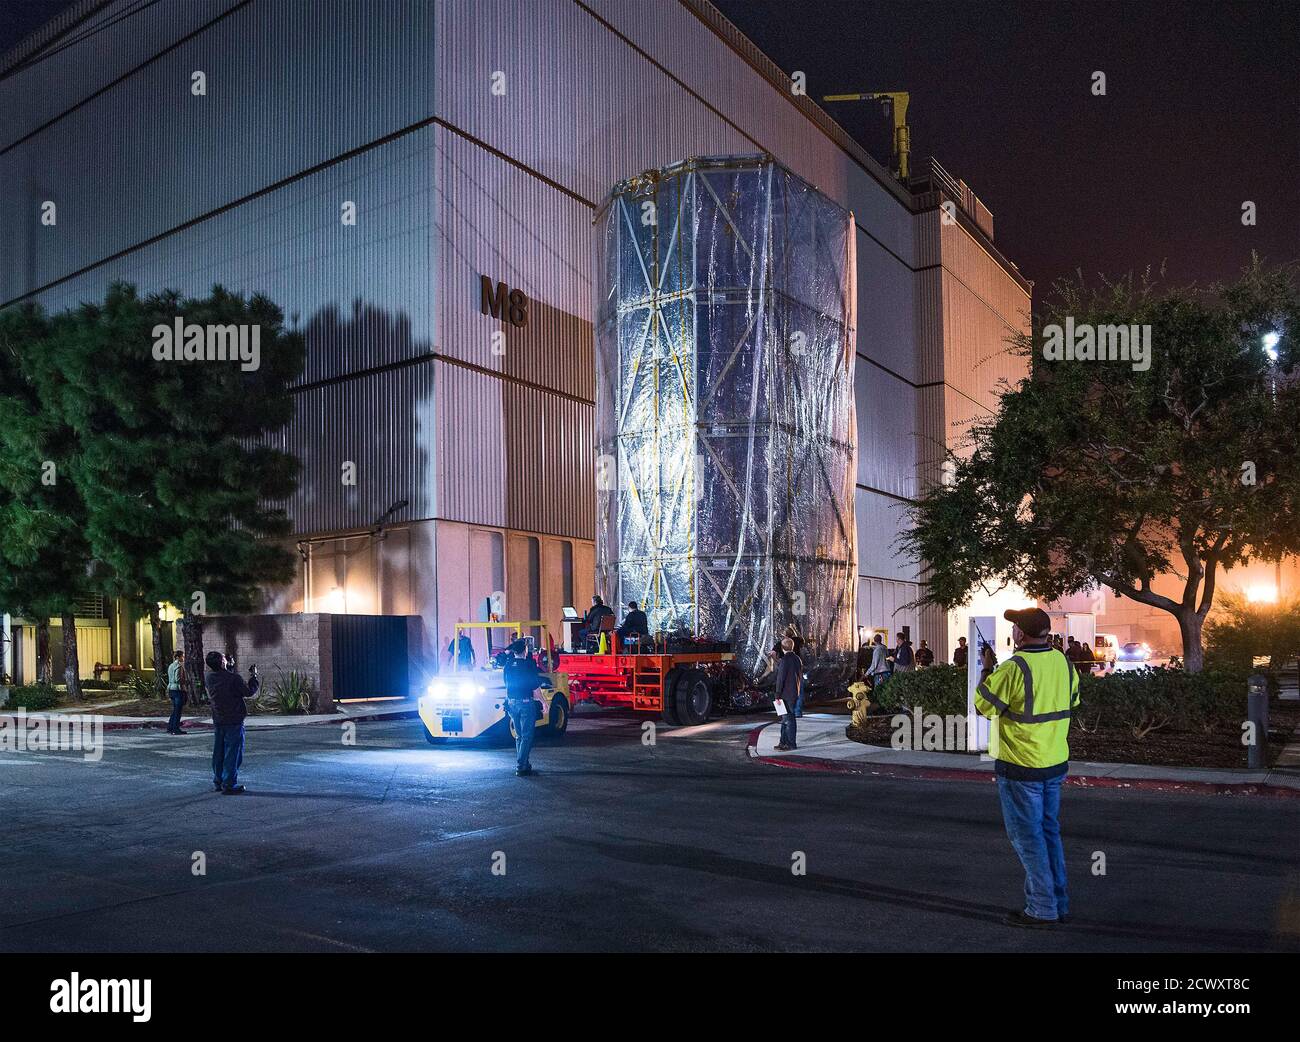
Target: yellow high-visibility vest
x: 1030, y: 699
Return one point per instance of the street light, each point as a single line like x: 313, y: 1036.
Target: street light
x: 1270, y: 342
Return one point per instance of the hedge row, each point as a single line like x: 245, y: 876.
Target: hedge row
x: 1141, y: 701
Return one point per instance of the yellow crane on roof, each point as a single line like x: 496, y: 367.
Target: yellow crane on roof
x: 897, y: 101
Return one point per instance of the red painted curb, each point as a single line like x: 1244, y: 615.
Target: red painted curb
x: 1083, y: 781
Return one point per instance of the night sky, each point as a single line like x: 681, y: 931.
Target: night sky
x: 1202, y: 113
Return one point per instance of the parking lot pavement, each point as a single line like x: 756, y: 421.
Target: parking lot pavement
x: 627, y: 839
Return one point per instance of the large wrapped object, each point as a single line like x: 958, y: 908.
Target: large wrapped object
x: 724, y: 402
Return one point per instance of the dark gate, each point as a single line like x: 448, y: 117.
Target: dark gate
x: 370, y: 656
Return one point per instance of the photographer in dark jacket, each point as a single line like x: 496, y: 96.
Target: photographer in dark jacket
x: 226, y: 693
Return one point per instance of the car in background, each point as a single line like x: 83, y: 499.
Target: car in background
x: 1104, y: 649
x: 1134, y: 651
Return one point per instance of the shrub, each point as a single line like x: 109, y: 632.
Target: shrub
x: 32, y: 697
x: 1146, y: 700
x: 293, y: 692
x: 1240, y: 631
x: 936, y: 689
x: 141, y: 687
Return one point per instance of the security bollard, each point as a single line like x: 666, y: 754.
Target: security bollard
x: 1257, y: 714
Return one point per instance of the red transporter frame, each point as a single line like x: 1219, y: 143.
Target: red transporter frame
x: 682, y: 687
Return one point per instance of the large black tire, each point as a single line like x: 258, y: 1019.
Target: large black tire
x: 559, y: 718
x: 694, y: 698
x: 668, y: 714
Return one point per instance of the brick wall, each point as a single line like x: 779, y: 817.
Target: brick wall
x: 289, y: 642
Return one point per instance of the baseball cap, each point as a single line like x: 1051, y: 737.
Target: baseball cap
x: 1034, y: 621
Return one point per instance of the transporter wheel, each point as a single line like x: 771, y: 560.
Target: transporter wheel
x: 559, y: 720
x: 694, y: 698
x: 668, y: 714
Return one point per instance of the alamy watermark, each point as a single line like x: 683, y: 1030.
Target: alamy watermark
x: 52, y: 733
x: 191, y: 342
x: 1089, y: 343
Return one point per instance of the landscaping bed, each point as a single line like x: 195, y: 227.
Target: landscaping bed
x: 1157, y: 717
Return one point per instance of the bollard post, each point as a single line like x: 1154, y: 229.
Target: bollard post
x: 1257, y: 714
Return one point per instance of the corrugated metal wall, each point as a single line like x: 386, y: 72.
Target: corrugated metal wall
x: 148, y: 155
x: 385, y: 424
x: 41, y: 91
x: 497, y: 220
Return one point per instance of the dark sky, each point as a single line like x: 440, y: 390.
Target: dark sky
x: 1202, y: 113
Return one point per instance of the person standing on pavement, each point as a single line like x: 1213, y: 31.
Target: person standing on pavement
x: 226, y: 694
x: 879, y: 669
x: 904, y: 658
x: 523, y: 678
x: 176, y: 691
x: 1031, y: 698
x: 789, y: 688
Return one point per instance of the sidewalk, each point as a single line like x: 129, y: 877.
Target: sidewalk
x: 379, y: 709
x: 823, y: 746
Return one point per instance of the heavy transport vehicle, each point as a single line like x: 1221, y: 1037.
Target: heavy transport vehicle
x: 470, y: 702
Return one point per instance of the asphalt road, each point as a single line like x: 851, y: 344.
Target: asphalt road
x: 390, y: 845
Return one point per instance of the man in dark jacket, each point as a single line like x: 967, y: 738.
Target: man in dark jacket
x: 591, y: 621
x: 522, y: 678
x: 924, y: 656
x: 789, y: 684
x: 959, y: 657
x: 226, y: 692
x: 634, y: 623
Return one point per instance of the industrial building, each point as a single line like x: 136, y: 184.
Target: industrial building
x: 415, y: 184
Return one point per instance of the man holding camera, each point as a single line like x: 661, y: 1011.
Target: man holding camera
x: 226, y: 692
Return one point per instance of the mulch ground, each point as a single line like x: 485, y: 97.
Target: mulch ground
x: 1158, y: 749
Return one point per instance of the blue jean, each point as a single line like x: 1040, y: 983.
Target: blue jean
x: 1031, y: 812
x: 524, y: 716
x: 227, y: 754
x: 789, y: 727
x: 178, y: 703
x: 798, y: 703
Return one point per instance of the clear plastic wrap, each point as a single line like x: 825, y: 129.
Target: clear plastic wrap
x: 725, y: 334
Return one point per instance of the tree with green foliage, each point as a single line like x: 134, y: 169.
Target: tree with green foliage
x: 44, y: 554
x: 1241, y: 630
x: 184, y: 485
x: 1108, y: 473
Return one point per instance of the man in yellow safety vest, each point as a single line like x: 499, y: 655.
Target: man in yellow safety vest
x: 1030, y: 699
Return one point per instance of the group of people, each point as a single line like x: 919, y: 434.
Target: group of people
x: 879, y: 662
x: 634, y: 625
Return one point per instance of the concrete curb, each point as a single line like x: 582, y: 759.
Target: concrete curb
x: 1083, y: 781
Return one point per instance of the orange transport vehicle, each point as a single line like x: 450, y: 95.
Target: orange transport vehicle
x: 684, y: 680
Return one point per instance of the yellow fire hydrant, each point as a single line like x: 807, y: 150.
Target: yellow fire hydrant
x: 858, y: 702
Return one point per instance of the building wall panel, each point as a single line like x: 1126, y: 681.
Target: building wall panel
x: 881, y: 605
x: 887, y: 425
x: 384, y: 424
x: 54, y: 82
x: 879, y: 520
x: 497, y: 220
x: 289, y: 86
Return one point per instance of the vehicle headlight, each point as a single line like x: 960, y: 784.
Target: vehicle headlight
x: 438, y: 691
x: 466, y: 689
